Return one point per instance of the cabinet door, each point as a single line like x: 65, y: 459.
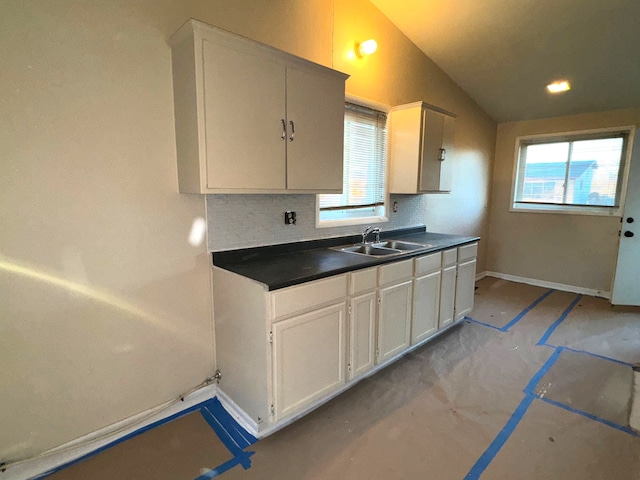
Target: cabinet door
x: 447, y: 295
x: 308, y: 358
x: 394, y: 320
x: 465, y: 287
x: 435, y: 173
x: 362, y: 334
x: 244, y: 107
x: 426, y: 306
x: 315, y: 111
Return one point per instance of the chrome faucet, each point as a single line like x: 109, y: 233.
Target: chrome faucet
x: 368, y: 230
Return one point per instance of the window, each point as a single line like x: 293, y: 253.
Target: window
x: 364, y: 195
x: 572, y: 173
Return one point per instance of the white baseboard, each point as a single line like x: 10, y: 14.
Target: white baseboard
x: 481, y: 275
x: 545, y: 284
x: 239, y: 415
x: 55, y: 458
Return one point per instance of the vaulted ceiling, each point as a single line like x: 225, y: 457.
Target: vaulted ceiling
x: 504, y: 52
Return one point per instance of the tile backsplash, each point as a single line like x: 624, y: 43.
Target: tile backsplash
x: 243, y: 221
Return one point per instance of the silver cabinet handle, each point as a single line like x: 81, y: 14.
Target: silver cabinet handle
x: 293, y: 130
x: 284, y: 129
x: 443, y: 154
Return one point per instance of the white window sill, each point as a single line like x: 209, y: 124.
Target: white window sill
x: 345, y: 222
x: 567, y: 210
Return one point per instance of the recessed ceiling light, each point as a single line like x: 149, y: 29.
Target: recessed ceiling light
x: 557, y: 87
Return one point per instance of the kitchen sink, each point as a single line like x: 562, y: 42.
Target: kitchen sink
x: 369, y: 249
x: 383, y: 249
x: 399, y: 245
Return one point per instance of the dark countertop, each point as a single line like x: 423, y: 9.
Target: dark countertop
x: 291, y: 264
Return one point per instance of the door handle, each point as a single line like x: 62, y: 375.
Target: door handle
x: 628, y: 234
x: 293, y: 130
x: 284, y: 129
x: 443, y: 154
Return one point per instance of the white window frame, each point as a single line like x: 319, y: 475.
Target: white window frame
x: 614, y: 211
x: 360, y: 220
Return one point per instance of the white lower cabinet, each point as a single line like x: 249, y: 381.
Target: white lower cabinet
x: 284, y: 352
x: 362, y: 321
x: 448, y: 288
x: 465, y: 280
x: 394, y: 314
x: 308, y: 358
x: 426, y: 306
x: 394, y: 322
x: 362, y: 334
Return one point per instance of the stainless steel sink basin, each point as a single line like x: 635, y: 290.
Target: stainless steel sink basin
x: 383, y: 249
x: 399, y: 245
x: 369, y: 249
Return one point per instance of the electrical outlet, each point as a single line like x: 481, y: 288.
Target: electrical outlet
x: 289, y: 218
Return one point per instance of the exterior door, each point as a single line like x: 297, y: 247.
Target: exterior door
x: 626, y: 282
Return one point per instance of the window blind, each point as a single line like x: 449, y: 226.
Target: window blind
x: 365, y: 149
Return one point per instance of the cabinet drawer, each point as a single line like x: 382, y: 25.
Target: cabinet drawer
x: 302, y: 297
x: 362, y: 280
x: 395, y: 272
x: 449, y: 257
x: 428, y: 263
x: 467, y: 252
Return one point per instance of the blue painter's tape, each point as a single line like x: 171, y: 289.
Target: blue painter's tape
x: 609, y: 423
x: 234, y: 437
x: 228, y: 465
x: 557, y: 323
x: 222, y: 434
x: 530, y: 388
x: 122, y: 439
x: 469, y: 319
x: 214, y: 472
x: 596, y: 355
x: 502, y: 437
x: 517, y: 318
x: 521, y: 315
x: 241, y: 437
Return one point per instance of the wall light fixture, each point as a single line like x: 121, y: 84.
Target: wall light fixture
x: 559, y: 86
x: 366, y: 48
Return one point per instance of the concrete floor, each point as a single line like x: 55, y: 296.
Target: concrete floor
x: 536, y: 384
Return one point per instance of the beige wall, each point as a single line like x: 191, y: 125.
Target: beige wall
x: 105, y: 309
x: 576, y: 250
x: 400, y: 73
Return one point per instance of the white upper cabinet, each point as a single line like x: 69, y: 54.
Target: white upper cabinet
x: 421, y: 149
x: 244, y: 103
x: 315, y: 121
x: 253, y: 119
